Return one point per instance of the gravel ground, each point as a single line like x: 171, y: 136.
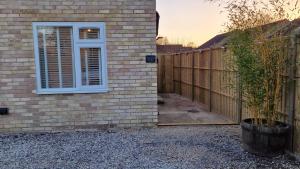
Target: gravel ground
x: 167, y: 148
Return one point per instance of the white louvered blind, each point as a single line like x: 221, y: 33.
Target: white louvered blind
x: 90, y: 66
x: 89, y: 33
x: 56, y: 57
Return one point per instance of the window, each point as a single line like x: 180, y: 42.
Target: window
x: 89, y: 33
x: 70, y: 57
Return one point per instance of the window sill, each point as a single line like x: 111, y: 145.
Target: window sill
x: 95, y: 91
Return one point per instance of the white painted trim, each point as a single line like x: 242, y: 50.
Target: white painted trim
x: 76, y: 45
x: 59, y: 57
x: 37, y: 61
x: 45, y: 59
x: 77, y: 59
x: 81, y: 24
x: 71, y: 91
x: 104, y: 59
x: 73, y: 59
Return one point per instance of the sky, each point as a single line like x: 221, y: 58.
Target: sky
x: 184, y: 21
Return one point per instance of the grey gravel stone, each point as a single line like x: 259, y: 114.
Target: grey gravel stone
x: 215, y: 147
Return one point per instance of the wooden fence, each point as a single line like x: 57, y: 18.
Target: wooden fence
x: 202, y: 76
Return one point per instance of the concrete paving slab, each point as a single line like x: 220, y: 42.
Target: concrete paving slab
x: 178, y: 110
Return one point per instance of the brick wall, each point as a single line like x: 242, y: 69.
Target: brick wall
x: 131, y: 101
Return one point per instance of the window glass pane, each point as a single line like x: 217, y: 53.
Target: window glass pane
x: 56, y: 57
x: 89, y: 33
x: 90, y: 66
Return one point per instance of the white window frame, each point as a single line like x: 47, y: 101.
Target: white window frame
x: 77, y: 44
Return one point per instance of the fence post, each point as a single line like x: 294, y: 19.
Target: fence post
x: 180, y: 69
x: 292, y: 85
x: 173, y: 69
x: 163, y: 73
x: 210, y: 79
x: 193, y: 76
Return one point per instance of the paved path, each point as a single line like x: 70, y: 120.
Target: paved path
x: 157, y: 148
x: 178, y: 110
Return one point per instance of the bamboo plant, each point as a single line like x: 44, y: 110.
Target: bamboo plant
x: 259, y: 56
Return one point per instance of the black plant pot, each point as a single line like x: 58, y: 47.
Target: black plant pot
x: 262, y: 140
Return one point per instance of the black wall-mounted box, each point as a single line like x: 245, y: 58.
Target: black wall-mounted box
x: 3, y: 111
x: 150, y: 59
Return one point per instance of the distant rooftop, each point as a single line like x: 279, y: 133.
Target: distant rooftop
x: 172, y: 48
x: 285, y: 27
